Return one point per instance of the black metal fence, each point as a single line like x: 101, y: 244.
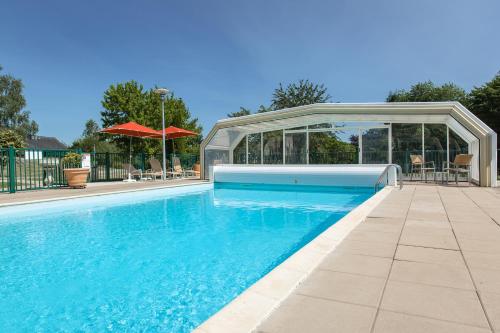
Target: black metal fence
x: 33, y: 169
x: 110, y: 166
x: 30, y: 169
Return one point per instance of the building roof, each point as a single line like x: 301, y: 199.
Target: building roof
x: 44, y: 142
x: 451, y: 112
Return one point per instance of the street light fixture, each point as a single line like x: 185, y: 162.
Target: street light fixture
x: 163, y: 94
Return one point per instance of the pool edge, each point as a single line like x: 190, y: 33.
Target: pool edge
x: 248, y: 310
x: 10, y: 204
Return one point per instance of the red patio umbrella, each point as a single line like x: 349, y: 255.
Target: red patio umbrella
x: 131, y: 129
x: 173, y: 132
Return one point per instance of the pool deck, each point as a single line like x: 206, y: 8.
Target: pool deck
x: 92, y: 189
x: 426, y: 259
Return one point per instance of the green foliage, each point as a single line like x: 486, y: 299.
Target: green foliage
x: 129, y: 101
x: 327, y: 148
x: 262, y: 108
x: 10, y: 137
x: 296, y: 94
x: 243, y: 112
x: 12, y: 103
x: 484, y: 102
x: 92, y: 141
x: 301, y: 93
x: 72, y: 160
x: 428, y: 92
x: 91, y: 128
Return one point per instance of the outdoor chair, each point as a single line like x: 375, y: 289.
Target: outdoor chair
x: 133, y: 171
x: 194, y: 171
x: 418, y: 165
x: 177, y: 170
x: 460, y: 165
x: 156, y: 169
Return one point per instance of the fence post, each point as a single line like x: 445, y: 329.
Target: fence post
x: 93, y: 167
x: 107, y: 167
x: 12, y: 170
x: 143, y: 161
x: 407, y: 165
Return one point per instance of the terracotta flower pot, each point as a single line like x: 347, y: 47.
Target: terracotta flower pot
x: 77, y: 177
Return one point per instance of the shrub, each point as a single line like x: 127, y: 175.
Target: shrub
x: 72, y: 160
x: 10, y: 137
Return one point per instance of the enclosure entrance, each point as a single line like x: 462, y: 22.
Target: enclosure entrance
x: 353, y: 143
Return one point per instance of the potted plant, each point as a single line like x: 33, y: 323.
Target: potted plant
x: 75, y: 174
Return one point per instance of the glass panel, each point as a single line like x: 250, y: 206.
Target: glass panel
x: 375, y: 146
x: 406, y: 141
x: 295, y: 146
x: 214, y: 157
x: 333, y: 147
x: 254, y: 148
x: 273, y: 147
x: 457, y: 145
x: 435, y: 145
x: 240, y: 151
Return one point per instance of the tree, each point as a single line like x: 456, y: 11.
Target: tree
x: 296, y: 94
x: 484, y: 102
x: 92, y: 141
x: 12, y: 103
x: 428, y: 92
x: 10, y: 137
x: 91, y: 128
x: 262, y: 108
x: 129, y: 101
x: 301, y: 93
x: 243, y: 112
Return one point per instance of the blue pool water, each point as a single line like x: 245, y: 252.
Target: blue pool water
x: 159, y: 260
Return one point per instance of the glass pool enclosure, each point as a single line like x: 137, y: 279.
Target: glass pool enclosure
x: 341, y: 133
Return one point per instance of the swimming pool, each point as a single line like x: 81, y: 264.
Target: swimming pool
x: 156, y: 260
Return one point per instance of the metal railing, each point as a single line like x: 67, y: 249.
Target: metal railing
x: 107, y: 167
x: 385, y: 176
x: 33, y: 169
x: 30, y: 169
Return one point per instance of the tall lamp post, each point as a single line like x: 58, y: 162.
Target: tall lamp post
x: 163, y: 94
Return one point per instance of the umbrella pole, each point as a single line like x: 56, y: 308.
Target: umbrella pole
x: 129, y: 179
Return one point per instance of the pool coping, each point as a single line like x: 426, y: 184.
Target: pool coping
x: 249, y: 309
x: 10, y: 204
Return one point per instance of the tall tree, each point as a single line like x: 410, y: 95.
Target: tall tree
x: 300, y: 93
x: 129, y: 101
x: 428, y: 92
x: 12, y: 104
x: 91, y: 128
x: 296, y: 94
x: 484, y: 102
x: 92, y: 141
x: 243, y: 112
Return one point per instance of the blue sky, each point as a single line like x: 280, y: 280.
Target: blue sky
x: 220, y: 55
